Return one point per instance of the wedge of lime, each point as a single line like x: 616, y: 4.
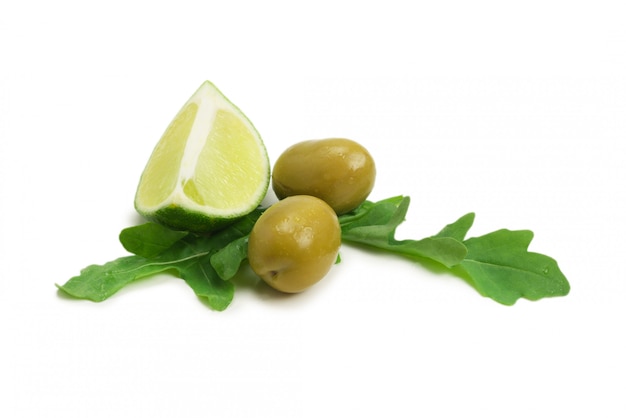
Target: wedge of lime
x: 209, y: 168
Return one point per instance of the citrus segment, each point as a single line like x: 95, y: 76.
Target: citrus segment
x: 209, y: 168
x: 161, y: 172
x: 219, y: 151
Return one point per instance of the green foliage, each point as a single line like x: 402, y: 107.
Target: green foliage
x: 149, y: 239
x: 498, y: 264
x: 374, y: 224
x: 188, y: 256
x: 502, y: 268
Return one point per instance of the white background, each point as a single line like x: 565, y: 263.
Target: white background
x: 513, y: 110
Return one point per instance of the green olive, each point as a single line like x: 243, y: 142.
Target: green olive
x: 294, y: 243
x: 339, y: 171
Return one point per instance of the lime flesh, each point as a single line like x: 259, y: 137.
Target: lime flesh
x: 209, y: 169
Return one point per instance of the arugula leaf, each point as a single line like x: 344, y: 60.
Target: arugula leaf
x: 99, y: 282
x: 502, y: 268
x: 498, y: 264
x: 149, y: 239
x: 189, y: 257
x: 458, y: 229
x: 227, y: 261
x: 375, y: 224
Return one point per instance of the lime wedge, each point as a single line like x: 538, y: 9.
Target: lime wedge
x: 209, y: 168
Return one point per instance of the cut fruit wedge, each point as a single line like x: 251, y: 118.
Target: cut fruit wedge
x: 209, y: 168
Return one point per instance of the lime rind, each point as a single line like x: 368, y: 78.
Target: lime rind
x: 177, y: 218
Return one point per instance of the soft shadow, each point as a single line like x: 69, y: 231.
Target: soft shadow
x: 135, y: 219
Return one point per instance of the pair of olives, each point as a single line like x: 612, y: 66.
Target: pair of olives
x: 295, y: 242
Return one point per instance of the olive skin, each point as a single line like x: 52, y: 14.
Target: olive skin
x: 339, y: 171
x: 294, y: 243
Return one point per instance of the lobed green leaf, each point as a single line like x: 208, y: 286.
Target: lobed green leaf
x: 149, y: 239
x: 498, y: 264
x: 227, y: 261
x: 458, y: 229
x: 99, y: 282
x: 503, y: 269
x: 375, y: 224
x: 187, y: 255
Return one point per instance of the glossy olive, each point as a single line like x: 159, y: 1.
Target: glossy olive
x: 294, y: 243
x: 339, y: 171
